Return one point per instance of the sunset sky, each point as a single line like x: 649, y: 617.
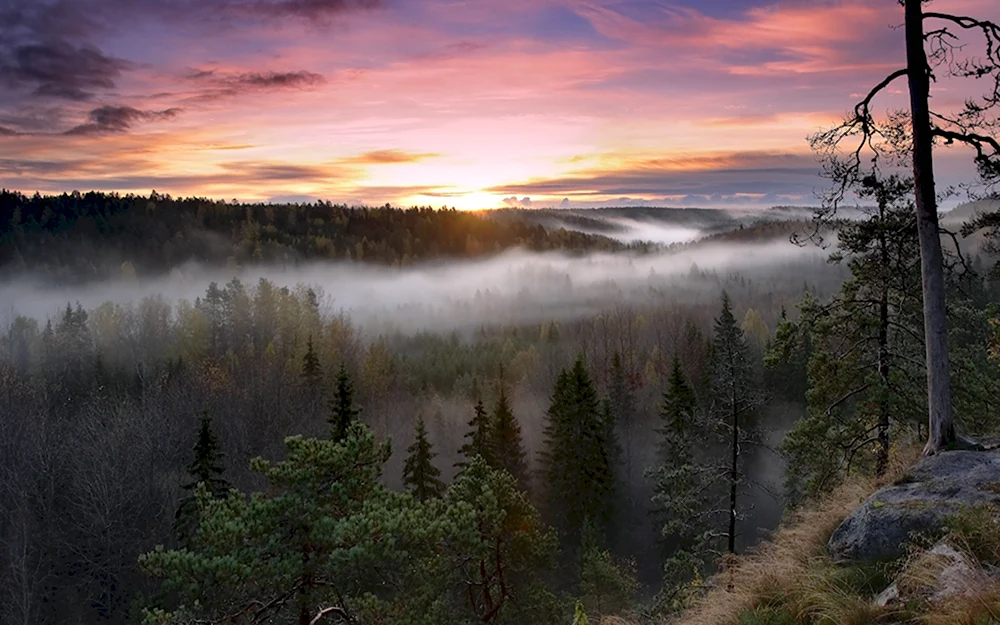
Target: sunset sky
x: 465, y: 103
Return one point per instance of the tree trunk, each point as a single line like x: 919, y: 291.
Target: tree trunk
x: 882, y: 461
x: 734, y: 475
x: 941, y: 431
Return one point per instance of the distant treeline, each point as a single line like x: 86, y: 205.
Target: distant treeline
x: 74, y: 236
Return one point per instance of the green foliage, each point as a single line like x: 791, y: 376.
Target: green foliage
x: 324, y: 534
x: 205, y: 470
x: 578, y: 473
x: 608, y: 586
x: 786, y: 359
x: 420, y: 475
x: 500, y: 567
x: 507, y: 451
x: 480, y: 438
x: 54, y: 232
x: 866, y: 374
x: 680, y: 504
x: 736, y: 397
x: 311, y: 370
x: 342, y: 410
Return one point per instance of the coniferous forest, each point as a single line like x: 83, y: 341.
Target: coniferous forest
x: 258, y: 454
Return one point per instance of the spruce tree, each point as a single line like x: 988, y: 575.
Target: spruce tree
x: 577, y: 457
x: 342, y: 410
x: 206, y: 468
x: 736, y: 399
x: 508, y: 447
x: 480, y: 437
x: 311, y: 370
x: 623, y: 414
x: 679, y: 503
x: 420, y: 476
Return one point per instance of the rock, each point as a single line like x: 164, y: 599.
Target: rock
x: 889, y: 596
x: 935, y: 575
x: 934, y: 489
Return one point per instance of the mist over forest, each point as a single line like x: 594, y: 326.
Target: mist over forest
x: 110, y: 360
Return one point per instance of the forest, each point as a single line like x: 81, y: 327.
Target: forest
x: 263, y: 451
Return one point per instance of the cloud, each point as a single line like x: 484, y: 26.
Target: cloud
x: 513, y: 202
x: 7, y: 132
x: 730, y: 176
x: 261, y: 80
x: 112, y: 119
x: 389, y: 157
x: 59, y: 69
x: 305, y: 9
x: 219, y: 86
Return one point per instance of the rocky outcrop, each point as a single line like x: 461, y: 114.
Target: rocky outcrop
x: 934, y: 489
x: 940, y: 573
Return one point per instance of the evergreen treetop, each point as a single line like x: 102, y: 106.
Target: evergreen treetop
x: 420, y: 476
x: 480, y: 439
x: 342, y: 410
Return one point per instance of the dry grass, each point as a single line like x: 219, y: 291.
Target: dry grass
x: 980, y: 608
x: 792, y: 577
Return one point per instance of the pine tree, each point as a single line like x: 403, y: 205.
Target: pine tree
x: 623, y: 415
x: 736, y: 399
x: 508, y: 446
x: 577, y: 457
x: 865, y: 367
x: 677, y: 418
x: 311, y: 370
x: 480, y: 437
x: 342, y: 410
x: 420, y: 475
x: 680, y: 505
x: 206, y: 468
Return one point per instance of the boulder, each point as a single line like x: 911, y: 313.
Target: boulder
x: 920, y: 502
x: 938, y: 574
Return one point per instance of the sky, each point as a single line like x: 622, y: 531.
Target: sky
x: 465, y: 103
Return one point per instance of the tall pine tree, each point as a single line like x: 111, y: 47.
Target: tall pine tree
x: 508, y: 446
x: 206, y: 468
x: 420, y: 475
x: 624, y: 414
x: 866, y: 374
x: 577, y: 458
x: 311, y: 370
x: 342, y: 410
x: 679, y: 502
x: 736, y: 399
x: 480, y: 438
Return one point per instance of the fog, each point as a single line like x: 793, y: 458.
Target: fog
x: 511, y: 288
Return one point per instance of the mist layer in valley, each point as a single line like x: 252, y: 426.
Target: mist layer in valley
x: 515, y: 287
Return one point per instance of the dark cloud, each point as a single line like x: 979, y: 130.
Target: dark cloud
x: 60, y: 70
x: 737, y: 174
x: 277, y: 172
x: 47, y: 50
x: 218, y: 86
x: 50, y: 50
x: 306, y: 9
x: 112, y: 119
x: 7, y: 132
